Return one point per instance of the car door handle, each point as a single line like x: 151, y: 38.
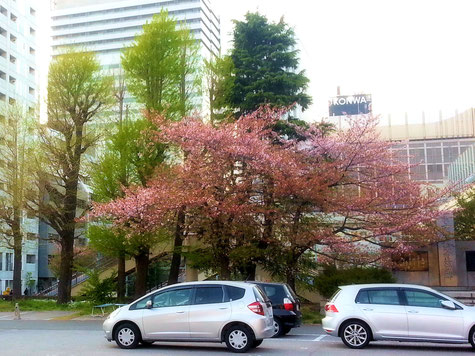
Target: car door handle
x: 367, y: 309
x: 180, y: 312
x: 224, y: 308
x: 413, y: 311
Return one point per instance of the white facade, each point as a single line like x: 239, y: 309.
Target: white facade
x: 19, y: 84
x: 106, y: 26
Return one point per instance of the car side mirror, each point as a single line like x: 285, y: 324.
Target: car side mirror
x: 447, y: 304
x: 148, y: 305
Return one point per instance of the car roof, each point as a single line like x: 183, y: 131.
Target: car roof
x: 267, y: 283
x: 384, y: 285
x: 229, y: 283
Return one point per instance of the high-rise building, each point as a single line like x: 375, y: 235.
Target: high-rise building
x: 106, y: 26
x: 18, y: 86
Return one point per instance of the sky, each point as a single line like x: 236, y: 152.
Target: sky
x: 412, y: 56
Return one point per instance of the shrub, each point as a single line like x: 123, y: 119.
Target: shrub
x: 328, y: 281
x: 97, y: 290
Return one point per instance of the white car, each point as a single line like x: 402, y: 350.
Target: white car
x: 363, y: 313
x: 237, y: 313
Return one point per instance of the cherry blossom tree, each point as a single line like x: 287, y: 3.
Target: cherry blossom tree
x: 254, y: 196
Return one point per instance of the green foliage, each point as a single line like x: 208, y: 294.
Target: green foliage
x: 266, y: 65
x: 328, y: 281
x: 464, y: 218
x: 158, y: 63
x: 99, y: 290
x: 219, y: 85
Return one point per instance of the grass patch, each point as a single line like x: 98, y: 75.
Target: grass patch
x: 81, y: 308
x: 311, y: 315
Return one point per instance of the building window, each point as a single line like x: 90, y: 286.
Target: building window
x: 50, y: 258
x: 1, y: 261
x: 11, y: 101
x: 32, y: 12
x: 3, y: 97
x: 32, y: 70
x: 13, y: 17
x: 9, y: 284
x: 9, y: 261
x: 3, y: 11
x: 3, y: 53
x: 11, y: 79
x: 3, y: 32
x: 31, y: 91
x: 30, y: 258
x: 3, y: 75
x: 470, y: 260
x: 32, y: 51
x: 12, y: 59
x: 12, y: 38
x: 32, y: 31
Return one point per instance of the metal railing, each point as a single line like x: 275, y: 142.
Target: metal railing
x: 79, y: 277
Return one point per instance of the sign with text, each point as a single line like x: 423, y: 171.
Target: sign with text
x: 350, y: 105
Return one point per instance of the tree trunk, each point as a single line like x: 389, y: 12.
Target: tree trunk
x: 141, y: 271
x: 17, y: 254
x: 176, y: 258
x: 66, y: 266
x: 121, y: 278
x: 291, y: 280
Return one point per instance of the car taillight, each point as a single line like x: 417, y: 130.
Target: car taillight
x: 256, y: 307
x: 288, y: 305
x: 331, y: 308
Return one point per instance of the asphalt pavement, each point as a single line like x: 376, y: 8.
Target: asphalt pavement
x: 84, y: 338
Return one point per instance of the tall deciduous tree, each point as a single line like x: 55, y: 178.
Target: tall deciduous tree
x: 266, y: 65
x: 17, y: 143
x: 342, y: 196
x: 162, y: 71
x: 77, y: 95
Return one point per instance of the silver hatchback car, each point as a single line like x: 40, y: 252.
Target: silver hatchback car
x: 362, y: 313
x: 237, y: 313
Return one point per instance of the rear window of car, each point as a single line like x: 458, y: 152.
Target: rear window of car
x: 378, y: 296
x: 335, y: 295
x: 235, y: 293
x: 276, y: 293
x: 260, y: 294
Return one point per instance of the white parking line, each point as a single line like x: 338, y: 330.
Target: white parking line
x: 319, y: 337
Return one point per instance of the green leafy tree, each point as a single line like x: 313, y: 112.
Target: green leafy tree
x: 266, y: 66
x: 97, y: 289
x: 465, y: 217
x: 161, y: 66
x: 162, y: 69
x: 77, y: 95
x: 17, y: 143
x: 219, y: 81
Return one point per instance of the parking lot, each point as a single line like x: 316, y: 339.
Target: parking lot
x: 40, y: 337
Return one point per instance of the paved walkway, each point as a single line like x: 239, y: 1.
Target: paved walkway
x: 48, y: 315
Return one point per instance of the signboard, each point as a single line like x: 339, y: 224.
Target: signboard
x: 344, y: 105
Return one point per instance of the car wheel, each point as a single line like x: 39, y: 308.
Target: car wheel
x: 239, y: 339
x: 257, y: 343
x: 278, y: 328
x: 471, y: 337
x: 355, y: 335
x: 127, y: 336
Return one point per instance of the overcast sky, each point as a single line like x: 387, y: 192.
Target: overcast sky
x: 411, y: 55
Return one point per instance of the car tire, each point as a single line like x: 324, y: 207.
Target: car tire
x: 286, y: 330
x: 471, y: 337
x: 127, y: 336
x: 355, y: 334
x: 278, y: 328
x: 239, y: 339
x: 257, y: 343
